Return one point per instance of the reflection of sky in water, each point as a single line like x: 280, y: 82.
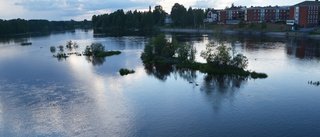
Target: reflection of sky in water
x: 41, y: 96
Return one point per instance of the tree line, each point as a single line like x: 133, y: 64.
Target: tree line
x: 21, y: 26
x: 119, y: 21
x: 145, y: 21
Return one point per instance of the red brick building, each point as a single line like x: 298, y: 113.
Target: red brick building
x: 268, y: 14
x: 230, y: 16
x: 305, y: 14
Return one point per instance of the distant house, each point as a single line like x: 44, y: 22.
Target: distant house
x: 267, y: 14
x: 168, y: 21
x: 212, y: 16
x: 305, y: 14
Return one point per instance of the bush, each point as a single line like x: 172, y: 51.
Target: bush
x: 61, y: 48
x: 125, y: 71
x: 256, y: 75
x: 53, y: 49
x: 26, y: 43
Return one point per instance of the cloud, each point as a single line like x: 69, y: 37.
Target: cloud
x: 84, y: 9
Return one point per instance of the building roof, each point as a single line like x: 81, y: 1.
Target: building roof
x: 269, y: 7
x: 308, y: 3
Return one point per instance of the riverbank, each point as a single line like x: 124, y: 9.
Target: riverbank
x: 272, y: 34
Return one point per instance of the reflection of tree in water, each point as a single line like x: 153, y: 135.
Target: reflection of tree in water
x: 218, y: 88
x: 159, y: 71
x: 163, y: 71
x: 96, y: 61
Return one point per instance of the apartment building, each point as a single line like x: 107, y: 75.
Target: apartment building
x: 305, y: 14
x: 231, y: 15
x: 267, y: 14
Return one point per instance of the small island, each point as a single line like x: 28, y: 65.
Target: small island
x: 218, y: 57
x: 98, y: 50
x: 124, y: 71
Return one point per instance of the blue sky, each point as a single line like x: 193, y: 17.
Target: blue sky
x: 84, y: 9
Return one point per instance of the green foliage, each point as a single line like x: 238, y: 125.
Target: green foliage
x: 60, y: 55
x: 19, y: 26
x: 53, y: 49
x: 316, y: 83
x: 61, y: 48
x: 252, y: 25
x: 263, y: 25
x: 178, y: 15
x: 125, y: 71
x: 98, y: 50
x: 219, y: 56
x: 108, y: 53
x: 186, y: 52
x: 241, y: 24
x: 256, y: 75
x: 240, y: 61
x: 159, y: 49
x: 26, y: 43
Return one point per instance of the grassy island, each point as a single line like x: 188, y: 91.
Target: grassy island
x: 98, y: 50
x: 26, y: 43
x: 219, y: 60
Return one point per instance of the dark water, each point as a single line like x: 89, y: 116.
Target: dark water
x: 43, y: 96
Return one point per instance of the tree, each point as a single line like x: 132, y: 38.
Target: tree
x: 186, y: 52
x: 263, y: 25
x: 241, y: 24
x: 178, y: 14
x: 240, y: 61
x: 219, y: 56
x: 251, y: 25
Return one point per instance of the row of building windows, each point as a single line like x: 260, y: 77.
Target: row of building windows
x: 312, y: 17
x: 270, y: 10
x: 268, y: 14
x: 313, y: 12
x: 269, y: 18
x: 312, y: 21
x: 313, y: 8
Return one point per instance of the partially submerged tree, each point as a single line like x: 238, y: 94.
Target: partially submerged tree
x: 219, y: 56
x: 160, y: 48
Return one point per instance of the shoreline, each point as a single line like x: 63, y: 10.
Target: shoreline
x: 271, y: 34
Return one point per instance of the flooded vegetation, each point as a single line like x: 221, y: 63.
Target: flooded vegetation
x: 85, y: 95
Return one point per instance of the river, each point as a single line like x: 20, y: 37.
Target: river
x: 80, y: 96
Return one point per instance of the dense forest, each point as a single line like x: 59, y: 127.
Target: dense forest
x: 21, y: 26
x: 120, y: 21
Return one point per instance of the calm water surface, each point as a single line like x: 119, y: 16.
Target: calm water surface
x: 43, y: 96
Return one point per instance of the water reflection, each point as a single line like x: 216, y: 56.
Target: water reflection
x: 302, y: 48
x: 95, y: 61
x: 219, y: 88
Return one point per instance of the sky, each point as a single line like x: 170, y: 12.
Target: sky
x: 85, y: 9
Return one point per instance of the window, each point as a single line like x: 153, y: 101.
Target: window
x: 254, y: 10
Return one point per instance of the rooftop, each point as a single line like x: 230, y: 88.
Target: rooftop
x: 308, y: 3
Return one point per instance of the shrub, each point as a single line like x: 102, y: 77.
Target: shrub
x: 53, y: 49
x: 256, y: 75
x: 61, y: 48
x: 125, y: 71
